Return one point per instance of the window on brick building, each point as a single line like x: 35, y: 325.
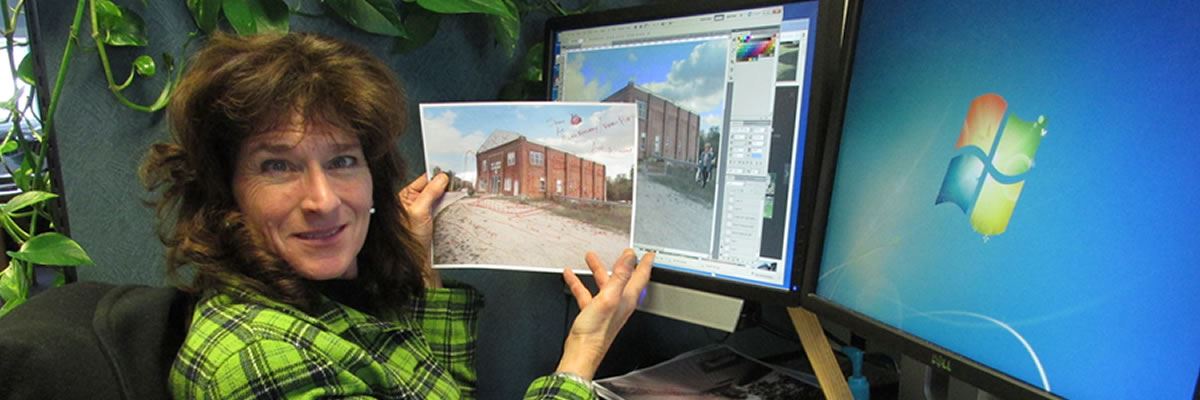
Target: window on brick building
x: 541, y: 184
x: 508, y: 184
x: 512, y: 158
x: 641, y: 105
x: 536, y: 158
x: 558, y: 186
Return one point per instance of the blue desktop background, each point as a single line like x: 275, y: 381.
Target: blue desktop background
x: 1094, y: 289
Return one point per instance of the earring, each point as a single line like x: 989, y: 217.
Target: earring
x: 372, y: 210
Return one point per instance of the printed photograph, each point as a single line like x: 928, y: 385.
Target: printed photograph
x: 558, y: 172
x: 679, y: 90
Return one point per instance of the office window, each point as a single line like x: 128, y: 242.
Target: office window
x: 536, y: 158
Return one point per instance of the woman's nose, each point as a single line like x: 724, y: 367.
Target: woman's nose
x: 319, y: 195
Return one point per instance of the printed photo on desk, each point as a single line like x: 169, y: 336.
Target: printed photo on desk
x: 533, y: 185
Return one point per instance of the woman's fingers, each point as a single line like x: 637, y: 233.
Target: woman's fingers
x: 419, y: 183
x: 598, y: 270
x: 422, y: 192
x: 624, y: 282
x: 640, y: 277
x: 581, y: 293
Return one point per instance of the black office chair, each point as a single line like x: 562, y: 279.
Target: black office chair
x: 93, y: 340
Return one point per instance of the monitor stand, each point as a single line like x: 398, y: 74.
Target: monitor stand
x: 918, y: 381
x: 820, y: 355
x: 694, y: 306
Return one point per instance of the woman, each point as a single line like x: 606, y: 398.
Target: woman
x: 279, y: 193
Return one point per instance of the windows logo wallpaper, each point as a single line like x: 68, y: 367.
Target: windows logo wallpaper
x: 1067, y: 260
x: 985, y: 181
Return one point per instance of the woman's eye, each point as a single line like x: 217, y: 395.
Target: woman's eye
x: 343, y: 162
x: 273, y: 166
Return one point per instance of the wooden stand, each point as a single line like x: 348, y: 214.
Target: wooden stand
x: 820, y: 355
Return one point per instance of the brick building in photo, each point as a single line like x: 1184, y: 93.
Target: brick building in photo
x: 664, y: 129
x: 511, y: 165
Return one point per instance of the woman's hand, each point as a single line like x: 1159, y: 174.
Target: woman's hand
x: 602, y: 316
x: 419, y: 199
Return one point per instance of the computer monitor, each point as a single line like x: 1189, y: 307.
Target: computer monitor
x: 726, y: 106
x: 1012, y: 194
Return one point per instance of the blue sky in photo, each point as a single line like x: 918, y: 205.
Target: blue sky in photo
x: 691, y: 74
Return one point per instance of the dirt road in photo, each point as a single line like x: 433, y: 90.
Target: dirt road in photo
x: 665, y: 218
x: 503, y: 231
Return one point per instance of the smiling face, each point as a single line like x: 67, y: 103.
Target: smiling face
x: 308, y: 194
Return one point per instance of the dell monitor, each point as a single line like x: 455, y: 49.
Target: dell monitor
x: 726, y: 105
x: 1011, y: 194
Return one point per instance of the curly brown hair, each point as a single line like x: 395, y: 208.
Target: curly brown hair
x: 239, y: 87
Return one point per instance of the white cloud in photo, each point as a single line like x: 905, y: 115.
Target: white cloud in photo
x: 697, y: 82
x: 446, y: 145
x: 575, y: 85
x: 612, y: 147
x: 711, y: 120
x: 468, y: 176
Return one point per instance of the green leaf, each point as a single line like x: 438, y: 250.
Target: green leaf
x: 10, y: 282
x: 118, y: 26
x: 9, y: 147
x: 205, y: 13
x: 533, y: 63
x: 23, y: 175
x: 60, y: 278
x: 25, y: 199
x: 9, y: 305
x: 508, y: 28
x: 251, y: 17
x: 493, y: 7
x: 421, y: 25
x: 52, y: 248
x: 26, y: 72
x: 375, y: 16
x: 14, y: 287
x: 144, y: 65
x: 508, y: 21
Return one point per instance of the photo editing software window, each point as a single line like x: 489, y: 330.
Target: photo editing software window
x: 721, y: 100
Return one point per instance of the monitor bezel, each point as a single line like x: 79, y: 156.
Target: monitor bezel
x: 825, y: 54
x: 936, y: 357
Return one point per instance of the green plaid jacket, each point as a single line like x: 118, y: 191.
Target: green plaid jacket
x: 242, y: 345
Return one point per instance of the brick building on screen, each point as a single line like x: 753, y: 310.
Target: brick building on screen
x: 665, y: 129
x: 511, y: 165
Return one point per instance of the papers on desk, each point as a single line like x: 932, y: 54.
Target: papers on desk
x: 712, y: 372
